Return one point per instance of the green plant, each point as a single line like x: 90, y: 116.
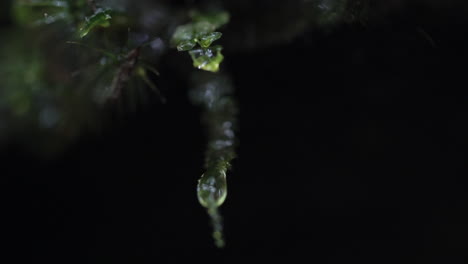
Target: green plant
x: 90, y: 54
x: 110, y: 61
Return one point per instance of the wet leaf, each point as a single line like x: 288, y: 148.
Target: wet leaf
x: 183, y: 33
x: 206, y: 40
x: 201, y: 31
x: 99, y: 19
x: 191, y: 33
x: 202, y: 28
x: 186, y: 45
x: 207, y: 59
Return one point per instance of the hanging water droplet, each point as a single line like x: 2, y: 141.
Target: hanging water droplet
x: 212, y: 189
x: 207, y: 59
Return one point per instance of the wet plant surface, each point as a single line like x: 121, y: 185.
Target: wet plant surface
x: 350, y: 140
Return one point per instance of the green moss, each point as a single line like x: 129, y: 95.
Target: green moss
x: 202, y: 32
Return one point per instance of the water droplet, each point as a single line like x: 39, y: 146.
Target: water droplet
x: 212, y: 189
x: 207, y: 59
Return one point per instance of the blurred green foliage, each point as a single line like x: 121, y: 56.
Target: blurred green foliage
x: 100, y: 18
x: 105, y: 68
x: 63, y: 63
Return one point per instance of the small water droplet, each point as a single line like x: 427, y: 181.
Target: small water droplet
x: 207, y: 59
x: 212, y: 189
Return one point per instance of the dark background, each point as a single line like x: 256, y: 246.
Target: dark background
x: 353, y: 150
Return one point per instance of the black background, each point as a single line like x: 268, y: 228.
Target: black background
x: 353, y: 150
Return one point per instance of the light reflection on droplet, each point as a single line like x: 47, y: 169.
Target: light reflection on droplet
x: 212, y: 189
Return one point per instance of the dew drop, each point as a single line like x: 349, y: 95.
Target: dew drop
x: 212, y: 189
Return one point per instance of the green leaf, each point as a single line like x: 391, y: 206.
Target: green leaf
x: 217, y: 19
x: 202, y: 28
x: 186, y: 45
x: 99, y: 19
x: 183, y: 33
x: 201, y: 31
x: 207, y: 59
x: 206, y: 40
x: 189, y: 34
